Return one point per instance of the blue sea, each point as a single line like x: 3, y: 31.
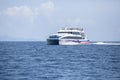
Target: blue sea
x: 39, y: 61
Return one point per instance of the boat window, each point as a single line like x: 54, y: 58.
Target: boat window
x: 66, y: 32
x: 76, y: 33
x: 72, y: 37
x: 54, y: 36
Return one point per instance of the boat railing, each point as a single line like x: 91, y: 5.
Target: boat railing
x: 81, y: 29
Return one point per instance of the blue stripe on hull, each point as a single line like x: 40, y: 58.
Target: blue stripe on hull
x: 52, y: 41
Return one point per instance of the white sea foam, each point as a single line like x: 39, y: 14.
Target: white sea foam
x: 106, y: 43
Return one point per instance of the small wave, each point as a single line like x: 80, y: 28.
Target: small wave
x: 106, y: 43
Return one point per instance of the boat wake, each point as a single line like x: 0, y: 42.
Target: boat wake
x: 106, y: 43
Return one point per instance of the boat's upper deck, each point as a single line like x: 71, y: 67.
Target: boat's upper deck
x: 64, y: 30
x: 81, y: 29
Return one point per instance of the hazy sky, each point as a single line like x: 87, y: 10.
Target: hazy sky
x: 37, y: 19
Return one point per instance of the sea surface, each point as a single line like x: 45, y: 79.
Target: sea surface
x: 39, y: 61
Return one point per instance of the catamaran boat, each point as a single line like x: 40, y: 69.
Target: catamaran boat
x: 68, y: 36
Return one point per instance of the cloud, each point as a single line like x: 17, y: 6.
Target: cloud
x: 49, y: 6
x: 46, y: 7
x: 18, y: 10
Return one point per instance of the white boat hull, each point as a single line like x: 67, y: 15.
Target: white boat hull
x: 73, y: 42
